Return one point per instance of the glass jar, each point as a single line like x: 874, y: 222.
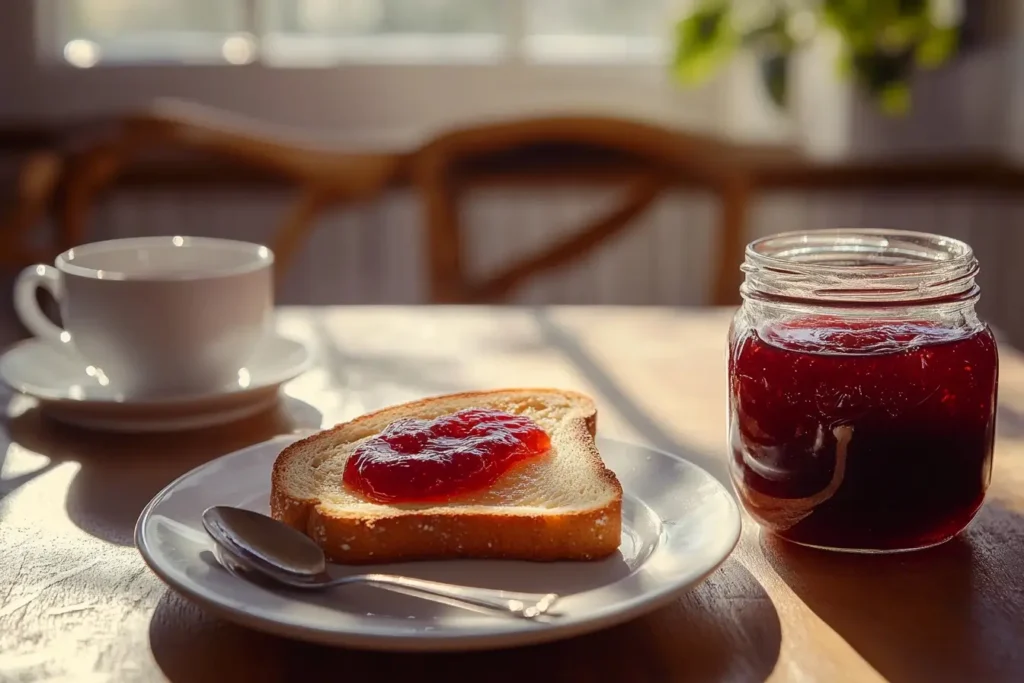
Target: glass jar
x: 862, y: 389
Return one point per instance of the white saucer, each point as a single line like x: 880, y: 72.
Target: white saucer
x: 70, y: 391
x: 679, y: 525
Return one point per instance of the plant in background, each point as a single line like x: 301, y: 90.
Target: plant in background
x: 882, y: 41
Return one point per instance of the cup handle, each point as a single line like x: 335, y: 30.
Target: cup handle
x: 27, y: 306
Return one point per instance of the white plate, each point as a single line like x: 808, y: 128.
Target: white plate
x: 69, y: 392
x: 679, y: 524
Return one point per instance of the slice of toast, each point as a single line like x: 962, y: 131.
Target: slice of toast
x: 563, y: 505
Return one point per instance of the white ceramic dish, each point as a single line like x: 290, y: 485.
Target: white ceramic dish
x: 679, y: 524
x: 71, y: 391
x: 160, y: 314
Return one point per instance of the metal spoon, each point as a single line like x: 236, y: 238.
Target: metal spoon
x: 279, y: 552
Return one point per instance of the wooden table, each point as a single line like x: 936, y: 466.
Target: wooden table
x: 78, y: 604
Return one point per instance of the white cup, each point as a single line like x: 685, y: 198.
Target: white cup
x: 156, y: 316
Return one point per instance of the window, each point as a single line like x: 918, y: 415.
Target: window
x: 329, y: 32
x: 326, y: 32
x: 597, y: 30
x: 90, y: 32
x: 397, y: 68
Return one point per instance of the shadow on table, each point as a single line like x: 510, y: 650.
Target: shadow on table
x: 612, y: 393
x: 120, y: 473
x: 370, y: 375
x: 1009, y: 422
x: 694, y: 639
x: 952, y: 613
x: 11, y: 484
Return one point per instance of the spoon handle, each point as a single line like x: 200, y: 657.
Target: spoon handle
x: 524, y: 605
x: 505, y: 603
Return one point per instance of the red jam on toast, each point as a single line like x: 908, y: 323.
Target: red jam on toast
x: 422, y: 461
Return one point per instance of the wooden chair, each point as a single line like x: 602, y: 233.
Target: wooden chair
x: 657, y: 158
x: 38, y: 177
x: 325, y: 176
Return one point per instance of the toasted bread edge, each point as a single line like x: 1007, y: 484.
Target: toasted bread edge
x: 579, y: 535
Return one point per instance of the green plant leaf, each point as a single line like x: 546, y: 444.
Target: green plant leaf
x: 877, y: 70
x: 851, y: 19
x: 912, y: 7
x: 901, y: 33
x: 937, y: 47
x: 883, y: 42
x: 894, y: 99
x: 704, y: 40
x: 774, y: 69
x: 844, y: 63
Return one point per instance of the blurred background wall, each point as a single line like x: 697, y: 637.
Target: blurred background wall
x: 383, y: 74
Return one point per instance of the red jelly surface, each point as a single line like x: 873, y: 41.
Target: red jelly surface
x: 872, y: 436
x: 434, y: 460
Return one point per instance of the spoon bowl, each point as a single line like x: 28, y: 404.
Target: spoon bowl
x: 264, y: 541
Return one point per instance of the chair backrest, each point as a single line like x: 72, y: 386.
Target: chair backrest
x: 656, y: 159
x: 38, y: 177
x: 325, y: 176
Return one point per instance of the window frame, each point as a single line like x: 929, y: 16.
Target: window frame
x: 394, y: 100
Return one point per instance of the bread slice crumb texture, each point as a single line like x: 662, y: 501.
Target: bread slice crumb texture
x: 566, y: 502
x: 553, y: 481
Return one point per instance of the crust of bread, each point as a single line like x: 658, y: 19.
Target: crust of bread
x: 397, y: 535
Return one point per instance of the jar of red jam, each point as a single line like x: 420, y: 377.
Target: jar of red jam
x: 862, y: 389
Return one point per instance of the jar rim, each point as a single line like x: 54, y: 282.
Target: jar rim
x: 860, y: 265
x: 957, y: 250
